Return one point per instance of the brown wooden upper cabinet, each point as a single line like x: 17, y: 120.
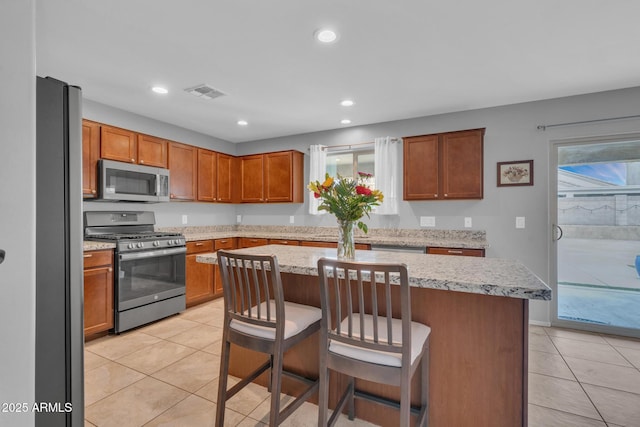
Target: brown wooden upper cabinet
x: 118, y: 144
x: 445, y: 166
x: 90, y: 156
x: 226, y: 170
x: 131, y: 147
x: 207, y: 175
x: 272, y: 177
x: 152, y: 151
x: 183, y: 166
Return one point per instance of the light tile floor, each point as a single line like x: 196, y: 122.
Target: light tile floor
x: 166, y: 374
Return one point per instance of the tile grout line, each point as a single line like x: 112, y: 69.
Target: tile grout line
x: 576, y: 377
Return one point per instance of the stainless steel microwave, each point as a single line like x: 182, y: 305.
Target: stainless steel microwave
x: 119, y: 181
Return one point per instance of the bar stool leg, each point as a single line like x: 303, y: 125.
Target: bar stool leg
x: 222, y: 387
x: 276, y: 383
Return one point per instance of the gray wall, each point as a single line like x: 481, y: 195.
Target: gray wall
x: 511, y: 134
x: 17, y: 207
x: 167, y: 214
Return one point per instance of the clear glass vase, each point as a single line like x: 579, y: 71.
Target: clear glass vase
x: 346, y: 244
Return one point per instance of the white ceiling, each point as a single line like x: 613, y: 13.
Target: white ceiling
x: 396, y: 58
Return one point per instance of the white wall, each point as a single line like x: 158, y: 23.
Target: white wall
x: 17, y: 207
x: 511, y: 134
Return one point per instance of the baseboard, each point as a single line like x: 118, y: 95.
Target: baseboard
x: 540, y: 323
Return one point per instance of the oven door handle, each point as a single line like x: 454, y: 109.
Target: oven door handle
x: 150, y: 254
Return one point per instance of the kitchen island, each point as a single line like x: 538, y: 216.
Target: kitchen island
x: 477, y: 309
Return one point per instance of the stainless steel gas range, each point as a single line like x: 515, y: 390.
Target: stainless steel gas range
x: 149, y: 266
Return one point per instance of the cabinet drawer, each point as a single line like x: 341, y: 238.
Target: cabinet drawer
x: 97, y: 258
x: 249, y: 242
x: 319, y: 244
x: 456, y: 251
x: 229, y: 243
x: 200, y: 246
x: 284, y: 242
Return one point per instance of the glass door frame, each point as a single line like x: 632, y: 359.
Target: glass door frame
x: 554, y: 145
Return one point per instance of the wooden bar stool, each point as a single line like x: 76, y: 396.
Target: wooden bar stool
x: 257, y: 317
x: 360, y: 338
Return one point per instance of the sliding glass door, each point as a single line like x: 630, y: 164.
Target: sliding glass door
x: 596, y: 235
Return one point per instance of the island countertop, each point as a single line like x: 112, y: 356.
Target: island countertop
x: 486, y: 276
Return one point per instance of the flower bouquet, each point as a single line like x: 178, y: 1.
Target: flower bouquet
x: 349, y: 200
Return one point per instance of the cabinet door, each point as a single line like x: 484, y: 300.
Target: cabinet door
x: 98, y: 300
x: 421, y: 167
x: 278, y: 177
x: 224, y: 173
x: 118, y: 144
x: 183, y: 164
x: 90, y: 156
x: 284, y: 242
x: 207, y: 163
x: 252, y: 178
x: 319, y: 244
x: 152, y: 151
x: 229, y: 243
x: 199, y: 277
x: 462, y: 165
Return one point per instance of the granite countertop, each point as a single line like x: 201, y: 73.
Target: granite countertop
x: 487, y: 276
x: 94, y: 246
x: 409, y: 238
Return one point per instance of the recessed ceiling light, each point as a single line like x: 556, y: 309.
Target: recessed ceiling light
x: 345, y: 121
x: 347, y: 103
x: 326, y: 35
x: 160, y: 90
x: 243, y: 122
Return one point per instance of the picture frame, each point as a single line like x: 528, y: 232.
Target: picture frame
x: 515, y: 173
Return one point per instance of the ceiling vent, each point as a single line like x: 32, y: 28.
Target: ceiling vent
x: 204, y: 91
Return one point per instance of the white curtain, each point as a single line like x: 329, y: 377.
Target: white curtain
x: 387, y: 155
x: 317, y: 171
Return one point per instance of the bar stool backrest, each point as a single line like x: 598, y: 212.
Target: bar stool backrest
x: 252, y: 289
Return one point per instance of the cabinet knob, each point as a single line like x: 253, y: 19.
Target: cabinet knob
x: 110, y: 269
x: 142, y: 162
x: 87, y: 255
x: 93, y: 191
x: 199, y: 244
x: 446, y: 195
x: 435, y: 195
x: 133, y: 160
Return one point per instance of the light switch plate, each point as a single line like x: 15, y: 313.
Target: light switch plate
x: 185, y: 219
x: 519, y: 222
x: 292, y: 219
x: 427, y: 221
x: 238, y: 219
x: 467, y: 222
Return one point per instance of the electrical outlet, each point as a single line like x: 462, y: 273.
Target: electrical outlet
x: 292, y: 219
x: 467, y: 222
x: 185, y: 219
x: 238, y: 219
x: 427, y: 221
x: 519, y: 222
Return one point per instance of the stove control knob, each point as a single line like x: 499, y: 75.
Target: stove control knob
x: 140, y: 245
x: 156, y: 243
x: 131, y: 246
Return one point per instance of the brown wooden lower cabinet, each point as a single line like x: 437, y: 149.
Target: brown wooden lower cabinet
x: 229, y: 243
x: 199, y: 277
x: 250, y: 242
x: 456, y: 251
x: 284, y: 242
x: 362, y: 246
x: 98, y: 291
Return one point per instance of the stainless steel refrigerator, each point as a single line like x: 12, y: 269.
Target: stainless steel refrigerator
x: 59, y: 372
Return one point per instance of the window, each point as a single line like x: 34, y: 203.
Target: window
x: 348, y: 163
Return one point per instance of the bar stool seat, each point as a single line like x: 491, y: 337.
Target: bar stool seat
x: 258, y: 318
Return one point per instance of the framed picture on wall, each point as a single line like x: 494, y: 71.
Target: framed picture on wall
x: 519, y: 172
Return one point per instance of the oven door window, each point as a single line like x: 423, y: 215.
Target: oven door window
x: 145, y: 280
